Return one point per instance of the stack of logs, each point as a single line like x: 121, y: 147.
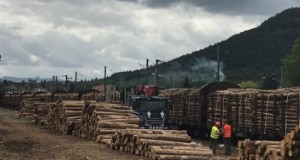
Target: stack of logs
x: 101, y: 120
x: 63, y: 116
x: 57, y: 97
x: 259, y: 150
x: 232, y: 104
x: 32, y: 107
x: 41, y: 112
x: 186, y: 104
x: 159, y: 144
x: 287, y: 149
x: 290, y: 146
x: 268, y: 113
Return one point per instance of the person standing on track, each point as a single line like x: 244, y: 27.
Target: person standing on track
x: 214, y: 136
x: 227, y: 137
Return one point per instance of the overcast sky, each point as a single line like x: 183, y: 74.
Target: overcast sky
x: 58, y: 37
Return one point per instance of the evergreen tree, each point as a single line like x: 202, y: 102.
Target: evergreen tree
x: 291, y: 65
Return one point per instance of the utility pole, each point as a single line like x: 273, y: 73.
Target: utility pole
x: 105, y: 83
x: 156, y: 72
x: 281, y: 77
x: 66, y: 83
x: 55, y: 82
x: 218, y: 59
x: 147, y: 65
x: 171, y: 81
x: 75, y: 86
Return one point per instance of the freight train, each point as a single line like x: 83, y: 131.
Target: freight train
x: 14, y: 100
x: 189, y: 109
x: 255, y: 114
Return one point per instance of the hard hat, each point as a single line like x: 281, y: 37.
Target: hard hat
x: 217, y: 123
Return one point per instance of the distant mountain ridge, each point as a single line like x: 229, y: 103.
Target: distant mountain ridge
x: 249, y: 55
x: 19, y: 80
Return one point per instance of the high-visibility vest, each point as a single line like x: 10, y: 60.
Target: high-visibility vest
x: 227, y: 131
x: 214, y: 132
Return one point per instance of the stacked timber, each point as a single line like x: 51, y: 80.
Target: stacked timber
x: 41, y: 112
x: 101, y: 120
x: 267, y: 113
x: 6, y: 100
x: 87, y: 96
x: 257, y: 150
x: 247, y: 150
x: 27, y: 109
x: 268, y: 150
x: 63, y: 116
x: 43, y: 96
x: 36, y: 107
x: 235, y: 105
x: 82, y: 128
x: 159, y: 144
x: 180, y: 103
x: 15, y: 100
x: 277, y: 111
x: 193, y: 108
x: 25, y: 96
x: 57, y: 97
x: 111, y: 118
x: 290, y: 146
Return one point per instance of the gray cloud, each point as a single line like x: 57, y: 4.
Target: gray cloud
x: 59, y: 37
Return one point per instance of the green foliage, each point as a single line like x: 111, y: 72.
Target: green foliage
x: 291, y: 66
x: 248, y: 84
x: 251, y: 55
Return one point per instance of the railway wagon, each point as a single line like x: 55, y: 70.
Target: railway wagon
x: 43, y: 96
x: 258, y: 114
x: 6, y: 100
x: 62, y: 95
x: 89, y: 94
x: 189, y: 107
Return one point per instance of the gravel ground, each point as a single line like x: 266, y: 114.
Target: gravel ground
x: 21, y: 140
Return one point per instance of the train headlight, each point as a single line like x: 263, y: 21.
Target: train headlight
x: 162, y: 114
x: 149, y: 114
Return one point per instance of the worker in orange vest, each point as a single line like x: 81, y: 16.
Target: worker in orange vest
x: 227, y: 137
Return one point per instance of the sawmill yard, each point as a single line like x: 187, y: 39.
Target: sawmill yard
x: 21, y: 139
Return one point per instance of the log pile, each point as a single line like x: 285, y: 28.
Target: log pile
x: 41, y: 112
x: 159, y: 144
x: 63, y: 116
x: 92, y: 95
x: 15, y: 100
x: 27, y: 109
x: 101, y: 120
x: 186, y: 104
x: 57, y: 97
x: 110, y: 118
x: 257, y: 150
x: 267, y: 113
x: 235, y: 105
x: 290, y: 146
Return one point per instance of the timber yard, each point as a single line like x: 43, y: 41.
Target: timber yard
x: 64, y: 125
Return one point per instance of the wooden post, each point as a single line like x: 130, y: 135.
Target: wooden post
x: 262, y: 116
x: 255, y: 114
x: 237, y: 112
x: 243, y: 114
x: 283, y: 115
x: 274, y: 114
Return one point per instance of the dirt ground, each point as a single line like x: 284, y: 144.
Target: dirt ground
x: 21, y: 140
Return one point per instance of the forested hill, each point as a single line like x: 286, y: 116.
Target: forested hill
x: 249, y: 55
